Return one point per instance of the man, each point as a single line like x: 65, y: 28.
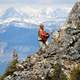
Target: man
x: 42, y: 37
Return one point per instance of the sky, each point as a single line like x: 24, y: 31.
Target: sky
x: 35, y: 2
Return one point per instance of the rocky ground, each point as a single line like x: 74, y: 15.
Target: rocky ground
x: 65, y: 50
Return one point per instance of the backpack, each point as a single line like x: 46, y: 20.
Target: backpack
x: 45, y: 37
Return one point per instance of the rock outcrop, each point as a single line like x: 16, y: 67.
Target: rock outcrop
x: 65, y: 52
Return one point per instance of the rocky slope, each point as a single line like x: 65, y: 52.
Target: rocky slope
x: 65, y: 50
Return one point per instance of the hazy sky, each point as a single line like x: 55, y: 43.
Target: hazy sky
x: 37, y: 2
x: 26, y: 5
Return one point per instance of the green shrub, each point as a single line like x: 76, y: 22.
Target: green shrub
x: 58, y: 74
x: 75, y: 73
x: 1, y: 78
x: 11, y: 68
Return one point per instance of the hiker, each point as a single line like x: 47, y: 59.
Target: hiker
x: 42, y: 37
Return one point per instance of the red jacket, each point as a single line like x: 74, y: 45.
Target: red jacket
x: 43, y: 35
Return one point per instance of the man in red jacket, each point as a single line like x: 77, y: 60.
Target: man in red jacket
x: 42, y: 36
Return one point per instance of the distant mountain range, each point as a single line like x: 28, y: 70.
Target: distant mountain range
x: 23, y: 20
x: 12, y: 14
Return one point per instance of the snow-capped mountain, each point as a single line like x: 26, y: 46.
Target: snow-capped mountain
x: 38, y: 17
x: 10, y: 12
x: 11, y: 15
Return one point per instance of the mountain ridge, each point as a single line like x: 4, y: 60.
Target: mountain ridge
x: 64, y: 50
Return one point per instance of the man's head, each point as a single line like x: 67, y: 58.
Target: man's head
x: 42, y: 26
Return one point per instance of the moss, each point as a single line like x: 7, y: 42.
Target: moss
x: 75, y: 73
